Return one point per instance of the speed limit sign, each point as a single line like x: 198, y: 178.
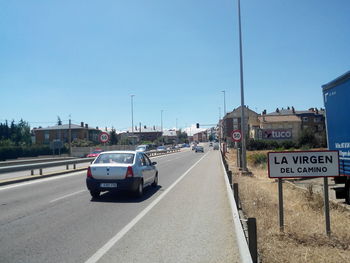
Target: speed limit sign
x: 103, y: 137
x: 236, y: 135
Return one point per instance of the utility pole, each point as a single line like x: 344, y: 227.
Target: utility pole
x: 70, y: 137
x: 161, y: 120
x: 132, y: 118
x: 224, y: 91
x: 244, y: 156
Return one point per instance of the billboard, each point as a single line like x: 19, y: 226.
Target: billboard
x: 276, y: 134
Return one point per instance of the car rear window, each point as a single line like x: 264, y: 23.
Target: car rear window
x: 127, y: 158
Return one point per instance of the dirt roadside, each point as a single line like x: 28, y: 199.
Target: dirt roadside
x: 304, y: 238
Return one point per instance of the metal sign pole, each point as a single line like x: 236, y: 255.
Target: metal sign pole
x: 326, y: 206
x: 280, y: 204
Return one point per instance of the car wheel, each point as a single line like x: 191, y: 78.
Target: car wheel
x: 139, y: 190
x: 95, y: 194
x: 155, y: 182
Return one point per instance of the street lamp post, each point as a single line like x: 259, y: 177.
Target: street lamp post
x: 132, y: 117
x: 220, y: 128
x: 161, y: 121
x: 244, y: 160
x: 224, y: 91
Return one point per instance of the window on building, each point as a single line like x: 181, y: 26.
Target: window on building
x: 317, y: 120
x: 46, y: 136
x: 305, y: 119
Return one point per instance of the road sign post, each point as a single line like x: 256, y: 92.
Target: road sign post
x: 304, y: 164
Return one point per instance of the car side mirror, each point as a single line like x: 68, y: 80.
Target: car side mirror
x: 153, y: 163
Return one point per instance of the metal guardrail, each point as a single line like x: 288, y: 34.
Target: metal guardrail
x: 42, y: 165
x: 247, y: 246
x: 155, y: 152
x: 26, y: 167
x: 30, y: 161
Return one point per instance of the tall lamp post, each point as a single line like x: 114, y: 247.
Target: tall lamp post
x: 224, y: 91
x: 132, y: 117
x: 220, y: 128
x: 161, y: 121
x: 244, y: 157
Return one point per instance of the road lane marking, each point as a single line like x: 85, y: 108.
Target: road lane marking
x: 166, y: 155
x: 171, y: 160
x: 68, y: 195
x: 41, y: 180
x: 106, y: 247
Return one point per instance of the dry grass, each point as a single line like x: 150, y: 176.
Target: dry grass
x: 304, y: 238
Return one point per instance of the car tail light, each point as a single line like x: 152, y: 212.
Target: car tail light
x: 129, y: 172
x: 89, y: 174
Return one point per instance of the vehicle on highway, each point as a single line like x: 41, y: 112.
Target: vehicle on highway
x: 95, y: 153
x: 336, y: 100
x: 199, y: 149
x: 121, y: 170
x: 216, y: 146
x: 161, y: 148
x: 142, y: 148
x: 185, y: 145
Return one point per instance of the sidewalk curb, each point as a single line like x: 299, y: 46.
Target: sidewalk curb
x: 36, y: 177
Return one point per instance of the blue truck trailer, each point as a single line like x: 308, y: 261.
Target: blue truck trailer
x: 336, y: 95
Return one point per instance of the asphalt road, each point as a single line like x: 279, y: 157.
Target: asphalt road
x: 186, y: 219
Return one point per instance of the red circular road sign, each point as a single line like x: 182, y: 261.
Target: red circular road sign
x: 103, y: 137
x: 236, y: 135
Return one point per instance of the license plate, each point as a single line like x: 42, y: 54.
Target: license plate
x: 109, y: 185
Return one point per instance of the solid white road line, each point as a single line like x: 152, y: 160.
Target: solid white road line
x: 103, y: 250
x: 68, y: 195
x: 41, y: 180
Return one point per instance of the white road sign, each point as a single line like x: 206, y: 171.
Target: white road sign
x: 103, y: 137
x: 236, y: 135
x: 303, y: 164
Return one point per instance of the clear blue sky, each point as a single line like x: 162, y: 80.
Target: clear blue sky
x: 85, y: 58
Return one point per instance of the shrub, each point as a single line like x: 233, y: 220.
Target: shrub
x: 256, y: 159
x: 253, y: 145
x: 307, y: 138
x: 288, y: 145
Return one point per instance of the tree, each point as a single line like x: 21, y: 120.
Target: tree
x: 59, y: 122
x: 16, y: 134
x: 113, y: 139
x: 182, y: 137
x: 307, y: 138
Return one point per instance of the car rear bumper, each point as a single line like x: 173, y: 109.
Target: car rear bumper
x: 129, y: 184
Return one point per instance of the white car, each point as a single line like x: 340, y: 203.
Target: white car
x: 121, y: 170
x: 142, y: 148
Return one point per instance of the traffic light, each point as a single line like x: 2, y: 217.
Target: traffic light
x: 197, y: 125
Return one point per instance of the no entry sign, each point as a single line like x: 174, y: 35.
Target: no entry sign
x: 103, y: 137
x: 303, y: 164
